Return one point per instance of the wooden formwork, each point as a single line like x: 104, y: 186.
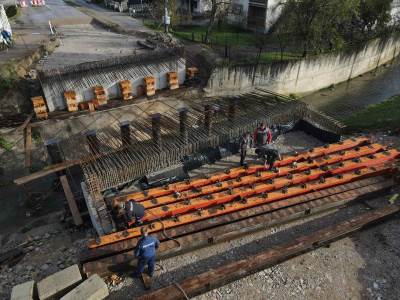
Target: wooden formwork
x: 100, y: 95
x: 191, y: 72
x: 40, y: 108
x: 126, y: 90
x: 150, y: 85
x: 173, y: 82
x: 70, y: 99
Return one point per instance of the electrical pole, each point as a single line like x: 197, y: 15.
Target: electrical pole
x: 166, y: 17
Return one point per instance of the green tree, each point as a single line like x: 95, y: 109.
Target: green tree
x: 375, y: 14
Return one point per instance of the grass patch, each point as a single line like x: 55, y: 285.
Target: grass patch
x: 6, y: 145
x: 268, y: 57
x: 8, y: 78
x: 384, y: 115
x: 277, y: 56
x: 226, y: 34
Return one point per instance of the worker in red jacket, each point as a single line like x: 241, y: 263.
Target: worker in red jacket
x: 262, y: 136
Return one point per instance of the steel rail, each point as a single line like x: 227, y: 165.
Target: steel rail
x: 257, y: 177
x: 235, y: 172
x: 238, y: 205
x: 278, y: 213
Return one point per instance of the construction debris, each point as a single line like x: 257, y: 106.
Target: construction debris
x: 59, y: 283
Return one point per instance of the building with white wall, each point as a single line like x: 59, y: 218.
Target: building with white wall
x: 396, y: 10
x: 195, y: 7
x: 258, y: 15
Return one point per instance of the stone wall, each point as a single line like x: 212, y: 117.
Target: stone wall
x: 303, y: 76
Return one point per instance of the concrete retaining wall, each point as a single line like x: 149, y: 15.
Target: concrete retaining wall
x: 82, y: 78
x: 303, y: 76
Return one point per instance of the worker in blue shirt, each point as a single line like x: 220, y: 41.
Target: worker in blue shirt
x: 145, y: 252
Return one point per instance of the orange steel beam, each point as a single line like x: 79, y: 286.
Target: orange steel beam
x: 261, y: 176
x: 235, y: 172
x: 243, y: 204
x: 253, y: 189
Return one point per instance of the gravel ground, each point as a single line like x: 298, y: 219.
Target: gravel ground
x: 48, y: 249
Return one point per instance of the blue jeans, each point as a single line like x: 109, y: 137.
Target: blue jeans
x: 142, y: 262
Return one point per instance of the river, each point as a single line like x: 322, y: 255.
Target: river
x: 349, y: 97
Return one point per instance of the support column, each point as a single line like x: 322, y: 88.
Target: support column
x: 232, y: 111
x: 54, y: 151
x: 93, y: 141
x: 182, y: 123
x: 125, y: 133
x: 207, y: 118
x: 156, y: 130
x: 73, y: 207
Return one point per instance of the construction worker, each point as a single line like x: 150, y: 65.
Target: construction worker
x: 133, y: 211
x: 145, y: 252
x: 272, y: 155
x: 262, y: 136
x: 245, y: 143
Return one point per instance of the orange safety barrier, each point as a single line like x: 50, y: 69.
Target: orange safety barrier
x: 253, y: 189
x: 243, y: 203
x: 262, y: 176
x: 236, y: 172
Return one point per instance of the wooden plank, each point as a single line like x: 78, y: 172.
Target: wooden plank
x: 71, y: 201
x: 26, y: 122
x: 28, y: 147
x: 126, y: 261
x: 47, y: 171
x: 217, y: 277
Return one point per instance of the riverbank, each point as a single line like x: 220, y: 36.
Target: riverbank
x: 303, y: 76
x: 381, y: 116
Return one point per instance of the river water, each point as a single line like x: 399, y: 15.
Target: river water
x: 349, y: 97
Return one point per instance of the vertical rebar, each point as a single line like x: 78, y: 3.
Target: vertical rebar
x: 156, y: 130
x: 183, y: 119
x: 54, y: 151
x: 232, y: 110
x: 125, y: 133
x: 93, y: 141
x: 207, y: 118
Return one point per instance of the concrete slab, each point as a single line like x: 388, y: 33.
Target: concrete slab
x: 59, y: 283
x: 23, y: 291
x: 93, y: 288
